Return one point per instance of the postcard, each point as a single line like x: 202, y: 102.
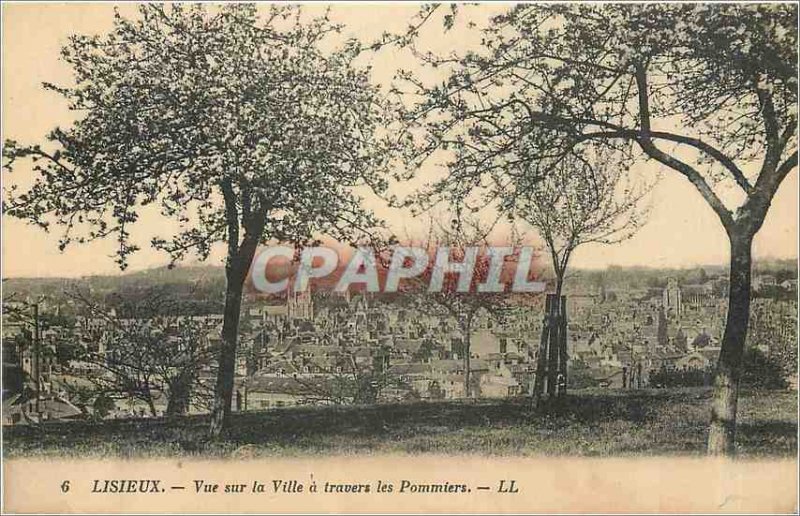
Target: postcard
x: 400, y: 258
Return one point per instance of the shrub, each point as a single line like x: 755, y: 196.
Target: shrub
x: 761, y: 371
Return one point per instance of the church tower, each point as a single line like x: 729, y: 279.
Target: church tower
x: 671, y: 299
x: 300, y: 305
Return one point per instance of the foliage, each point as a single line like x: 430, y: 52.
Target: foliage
x: 707, y: 90
x: 580, y: 376
x: 67, y: 351
x: 544, y: 88
x: 241, y: 127
x: 219, y: 118
x: 102, y: 406
x: 577, y: 203
x: 669, y: 378
x: 777, y: 293
x: 761, y: 371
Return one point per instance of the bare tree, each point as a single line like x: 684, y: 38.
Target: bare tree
x: 149, y: 352
x: 463, y: 305
x: 343, y: 380
x: 579, y: 202
x: 706, y: 90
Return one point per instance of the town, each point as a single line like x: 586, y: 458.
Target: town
x: 311, y: 348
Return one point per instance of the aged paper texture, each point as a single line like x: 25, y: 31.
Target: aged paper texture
x: 399, y: 258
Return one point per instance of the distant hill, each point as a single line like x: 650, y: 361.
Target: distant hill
x: 201, y: 287
x: 192, y: 274
x: 206, y: 283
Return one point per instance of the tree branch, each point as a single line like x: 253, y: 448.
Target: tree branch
x: 231, y: 216
x: 646, y: 143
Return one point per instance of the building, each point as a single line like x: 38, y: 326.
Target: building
x: 671, y: 299
x: 18, y: 410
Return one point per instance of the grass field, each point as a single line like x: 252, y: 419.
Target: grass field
x: 587, y: 423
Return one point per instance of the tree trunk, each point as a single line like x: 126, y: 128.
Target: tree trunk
x: 552, y: 348
x: 151, y: 405
x: 223, y: 393
x: 180, y: 392
x: 541, y: 357
x: 177, y: 406
x: 561, y: 388
x: 467, y: 374
x: 559, y: 284
x: 722, y: 432
x: 557, y: 337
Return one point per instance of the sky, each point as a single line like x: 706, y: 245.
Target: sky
x: 682, y: 231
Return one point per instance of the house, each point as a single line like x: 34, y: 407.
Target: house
x: 451, y: 387
x: 500, y: 382
x: 440, y: 378
x: 609, y: 377
x: 696, y: 360
x: 265, y: 392
x: 763, y: 281
x: 483, y: 342
x: 21, y: 410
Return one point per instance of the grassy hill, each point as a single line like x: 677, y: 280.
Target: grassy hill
x: 587, y: 423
